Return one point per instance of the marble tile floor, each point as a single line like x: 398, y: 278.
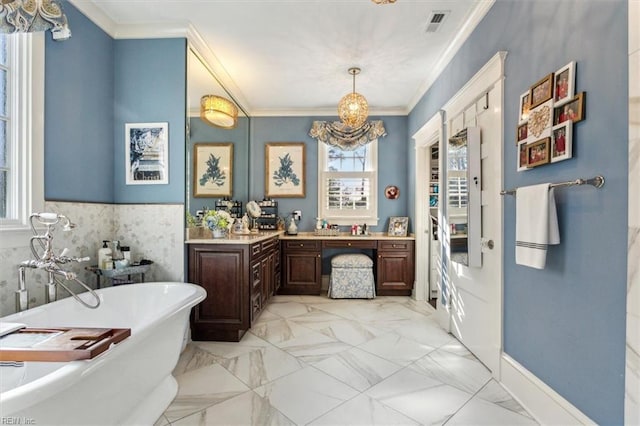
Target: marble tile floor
x: 310, y: 360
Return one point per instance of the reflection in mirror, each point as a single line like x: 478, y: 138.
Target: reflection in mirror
x: 202, y: 82
x: 463, y: 192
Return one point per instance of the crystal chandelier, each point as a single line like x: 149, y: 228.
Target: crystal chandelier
x: 353, y: 108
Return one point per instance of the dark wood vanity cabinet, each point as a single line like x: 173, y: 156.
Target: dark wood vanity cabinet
x: 239, y: 280
x: 302, y: 267
x: 393, y: 264
x: 395, y: 268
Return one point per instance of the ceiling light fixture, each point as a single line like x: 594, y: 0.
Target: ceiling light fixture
x: 218, y: 111
x: 353, y: 108
x: 383, y: 1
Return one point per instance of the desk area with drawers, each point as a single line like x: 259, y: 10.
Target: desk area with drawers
x: 393, y: 259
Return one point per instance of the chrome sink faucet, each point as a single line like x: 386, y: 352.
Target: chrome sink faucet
x: 50, y: 262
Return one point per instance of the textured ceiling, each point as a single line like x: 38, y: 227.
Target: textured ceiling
x: 291, y: 57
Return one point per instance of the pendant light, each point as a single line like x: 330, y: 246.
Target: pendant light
x: 353, y: 108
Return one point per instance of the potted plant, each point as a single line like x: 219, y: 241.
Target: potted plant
x: 218, y: 221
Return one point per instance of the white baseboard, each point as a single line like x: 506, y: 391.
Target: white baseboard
x: 543, y: 403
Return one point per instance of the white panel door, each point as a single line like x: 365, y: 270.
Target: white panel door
x: 476, y: 291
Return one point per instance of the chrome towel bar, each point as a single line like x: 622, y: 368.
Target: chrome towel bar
x: 597, y: 181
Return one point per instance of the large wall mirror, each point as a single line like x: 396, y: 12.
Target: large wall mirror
x: 463, y: 194
x: 211, y: 139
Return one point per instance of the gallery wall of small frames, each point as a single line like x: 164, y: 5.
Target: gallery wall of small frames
x: 547, y: 113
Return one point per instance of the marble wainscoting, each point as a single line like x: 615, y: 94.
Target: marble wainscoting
x: 311, y: 360
x: 632, y: 380
x: 154, y: 232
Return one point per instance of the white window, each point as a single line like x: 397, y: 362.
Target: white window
x: 21, y: 134
x: 348, y: 184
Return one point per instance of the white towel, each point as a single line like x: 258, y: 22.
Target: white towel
x: 536, y: 224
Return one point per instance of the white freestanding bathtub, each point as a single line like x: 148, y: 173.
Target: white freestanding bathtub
x: 129, y: 384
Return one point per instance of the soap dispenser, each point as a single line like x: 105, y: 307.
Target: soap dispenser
x: 292, y: 229
x: 104, y: 255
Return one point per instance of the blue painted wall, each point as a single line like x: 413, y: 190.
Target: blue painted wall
x: 79, y: 84
x: 566, y: 323
x: 392, y: 163
x: 202, y: 132
x: 150, y: 86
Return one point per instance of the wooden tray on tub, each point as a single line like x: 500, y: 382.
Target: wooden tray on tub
x: 59, y: 344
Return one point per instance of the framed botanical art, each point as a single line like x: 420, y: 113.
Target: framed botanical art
x: 542, y: 91
x: 147, y: 153
x: 524, y: 107
x: 213, y: 170
x: 284, y: 170
x: 398, y: 226
x: 538, y: 153
x: 572, y: 110
x: 563, y: 86
x: 561, y: 142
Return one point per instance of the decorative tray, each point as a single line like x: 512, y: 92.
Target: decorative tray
x: 59, y: 344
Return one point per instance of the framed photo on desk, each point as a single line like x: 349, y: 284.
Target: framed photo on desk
x: 398, y: 226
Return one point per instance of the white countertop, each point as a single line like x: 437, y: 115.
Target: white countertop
x: 232, y: 238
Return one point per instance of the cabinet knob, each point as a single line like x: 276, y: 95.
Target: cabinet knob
x: 319, y: 256
x: 394, y: 246
x: 301, y: 245
x: 349, y: 244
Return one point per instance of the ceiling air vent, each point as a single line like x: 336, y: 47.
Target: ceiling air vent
x: 436, y: 19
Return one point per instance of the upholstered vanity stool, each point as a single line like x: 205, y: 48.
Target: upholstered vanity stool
x: 352, y: 277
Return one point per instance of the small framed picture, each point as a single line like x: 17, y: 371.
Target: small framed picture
x: 542, y: 91
x: 284, y: 170
x: 213, y: 170
x: 564, y: 83
x: 521, y: 133
x: 561, y: 142
x: 522, y: 156
x: 147, y: 153
x: 538, y: 152
x: 572, y: 110
x: 398, y: 226
x: 524, y: 107
x: 540, y: 121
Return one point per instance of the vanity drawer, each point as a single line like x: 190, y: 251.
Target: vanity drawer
x: 311, y: 245
x: 361, y: 244
x: 256, y: 249
x: 395, y: 245
x: 267, y: 245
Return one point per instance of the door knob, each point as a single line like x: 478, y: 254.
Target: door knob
x: 487, y: 243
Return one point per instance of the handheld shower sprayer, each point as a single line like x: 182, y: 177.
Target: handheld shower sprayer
x: 51, y: 219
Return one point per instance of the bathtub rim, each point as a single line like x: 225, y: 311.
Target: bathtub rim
x: 40, y: 389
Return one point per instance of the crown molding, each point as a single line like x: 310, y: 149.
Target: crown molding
x: 219, y: 72
x: 470, y: 24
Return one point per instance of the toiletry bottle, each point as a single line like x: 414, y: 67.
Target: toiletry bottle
x: 116, y: 254
x: 103, y: 253
x: 126, y: 254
